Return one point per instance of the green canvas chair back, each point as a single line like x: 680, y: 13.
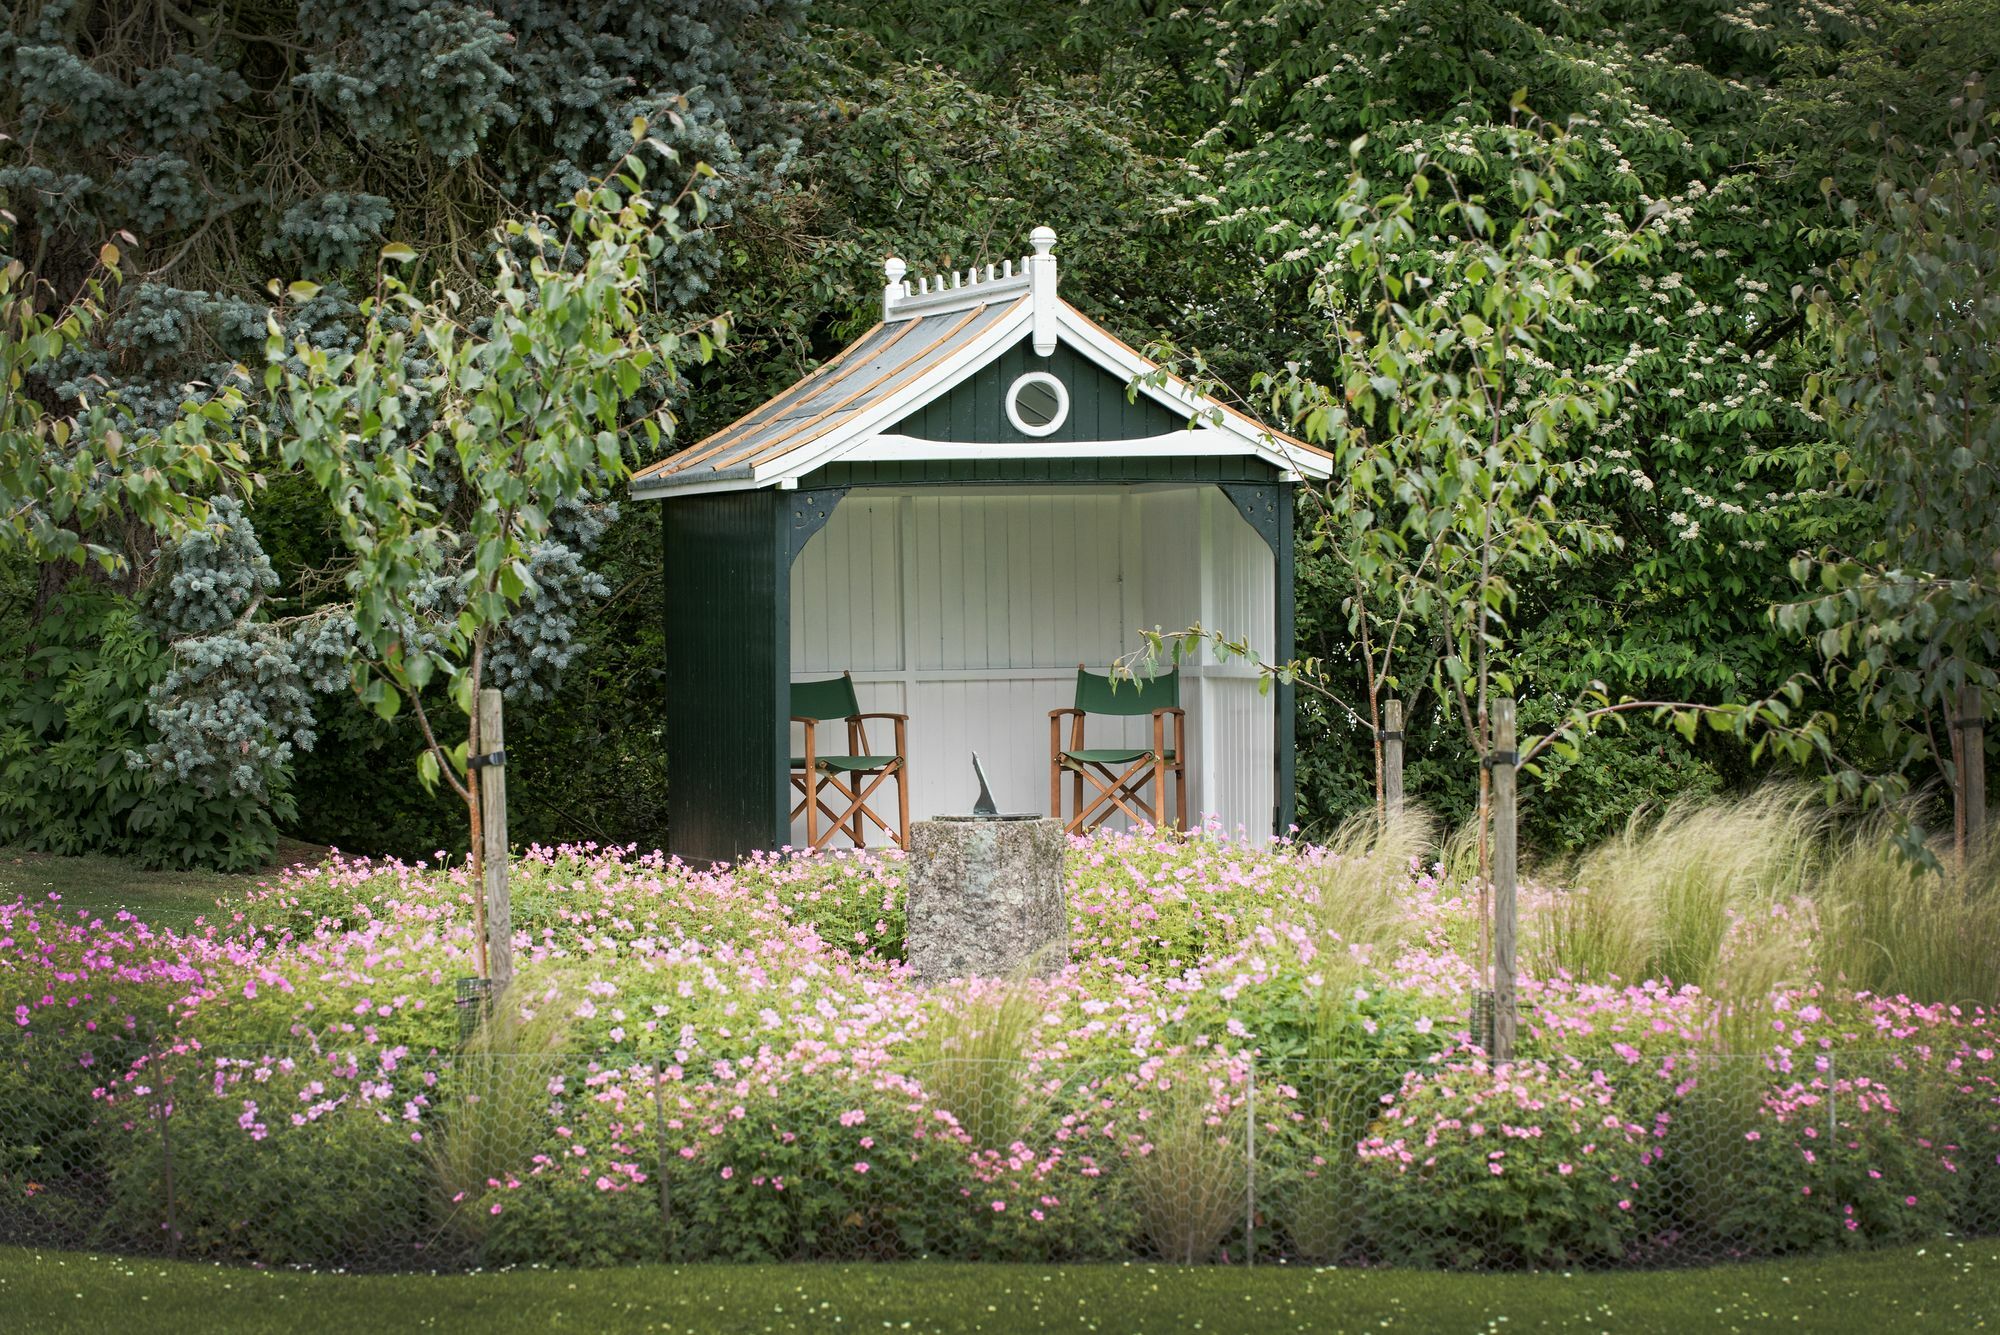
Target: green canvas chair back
x: 832, y: 698
x: 1130, y: 695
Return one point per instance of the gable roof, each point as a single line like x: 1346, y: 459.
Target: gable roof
x: 935, y: 334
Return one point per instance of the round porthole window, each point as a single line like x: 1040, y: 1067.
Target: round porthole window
x: 1037, y: 403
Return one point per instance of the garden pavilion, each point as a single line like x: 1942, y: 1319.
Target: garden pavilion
x: 982, y: 492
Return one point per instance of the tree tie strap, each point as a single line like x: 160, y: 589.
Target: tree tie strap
x: 1387, y: 736
x: 1501, y: 758
x: 496, y: 759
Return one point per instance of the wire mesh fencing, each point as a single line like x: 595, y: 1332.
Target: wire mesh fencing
x: 389, y: 1159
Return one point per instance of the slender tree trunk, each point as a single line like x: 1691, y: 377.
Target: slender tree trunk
x: 1968, y: 735
x: 1505, y: 869
x: 475, y: 851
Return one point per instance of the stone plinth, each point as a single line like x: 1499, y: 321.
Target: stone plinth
x: 986, y: 897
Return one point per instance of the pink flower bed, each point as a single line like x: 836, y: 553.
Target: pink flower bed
x: 748, y: 1039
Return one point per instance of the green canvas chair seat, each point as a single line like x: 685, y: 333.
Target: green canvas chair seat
x: 1119, y: 777
x: 1111, y: 755
x: 847, y: 764
x: 841, y: 787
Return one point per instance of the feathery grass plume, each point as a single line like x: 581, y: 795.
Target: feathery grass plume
x: 495, y: 1107
x: 1458, y: 856
x: 1188, y: 1175
x: 1658, y: 900
x: 1894, y: 928
x: 972, y: 1061
x: 1360, y: 887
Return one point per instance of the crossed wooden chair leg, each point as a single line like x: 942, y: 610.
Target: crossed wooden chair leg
x: 1114, y: 791
x: 855, y: 816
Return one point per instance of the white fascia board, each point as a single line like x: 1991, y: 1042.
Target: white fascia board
x: 1175, y: 393
x: 1197, y: 442
x: 656, y: 489
x: 941, y: 379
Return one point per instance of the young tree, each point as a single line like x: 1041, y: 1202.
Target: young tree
x: 523, y: 412
x: 1447, y: 418
x: 1909, y: 621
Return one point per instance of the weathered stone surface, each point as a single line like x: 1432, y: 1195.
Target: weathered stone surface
x: 985, y: 898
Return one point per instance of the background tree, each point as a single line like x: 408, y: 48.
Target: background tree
x: 226, y: 143
x: 1909, y: 617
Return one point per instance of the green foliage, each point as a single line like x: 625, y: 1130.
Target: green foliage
x: 220, y: 145
x: 1484, y: 1195
x: 71, y: 717
x: 65, y: 477
x: 1577, y: 797
x: 785, y: 1182
x: 1910, y: 616
x: 344, y: 1172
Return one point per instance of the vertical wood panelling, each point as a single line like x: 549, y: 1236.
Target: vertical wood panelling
x: 847, y: 606
x: 1006, y: 593
x: 969, y: 610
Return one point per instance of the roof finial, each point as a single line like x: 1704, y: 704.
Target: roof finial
x: 895, y: 289
x: 1041, y: 267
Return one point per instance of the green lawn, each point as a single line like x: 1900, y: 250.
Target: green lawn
x: 1951, y: 1286
x: 105, y: 885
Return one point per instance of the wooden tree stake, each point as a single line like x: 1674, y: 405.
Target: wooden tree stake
x: 1504, y: 759
x: 493, y: 848
x: 1392, y: 758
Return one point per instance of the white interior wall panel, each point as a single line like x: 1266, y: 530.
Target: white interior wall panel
x: 970, y: 611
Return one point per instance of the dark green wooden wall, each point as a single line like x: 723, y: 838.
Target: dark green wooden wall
x: 728, y: 595
x: 976, y: 411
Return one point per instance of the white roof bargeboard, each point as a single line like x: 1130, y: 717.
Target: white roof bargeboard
x: 936, y: 333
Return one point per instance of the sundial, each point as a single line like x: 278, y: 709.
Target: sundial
x: 985, y: 808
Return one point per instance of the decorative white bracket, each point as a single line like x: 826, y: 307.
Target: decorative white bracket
x: 1042, y: 289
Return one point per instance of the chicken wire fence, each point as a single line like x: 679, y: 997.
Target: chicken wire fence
x: 387, y: 1159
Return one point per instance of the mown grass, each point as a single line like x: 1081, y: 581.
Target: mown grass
x: 1944, y: 1287
x: 104, y: 885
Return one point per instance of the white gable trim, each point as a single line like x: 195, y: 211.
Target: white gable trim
x: 1196, y: 443
x: 1118, y: 360
x: 864, y: 437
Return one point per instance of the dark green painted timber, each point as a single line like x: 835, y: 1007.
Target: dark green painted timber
x: 728, y: 593
x: 975, y: 411
x: 1120, y: 470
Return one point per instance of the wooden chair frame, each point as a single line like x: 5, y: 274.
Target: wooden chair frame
x: 1115, y: 789
x: 852, y: 818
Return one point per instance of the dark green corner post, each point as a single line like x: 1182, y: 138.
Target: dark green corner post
x: 800, y: 514
x: 1267, y: 507
x: 727, y: 657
